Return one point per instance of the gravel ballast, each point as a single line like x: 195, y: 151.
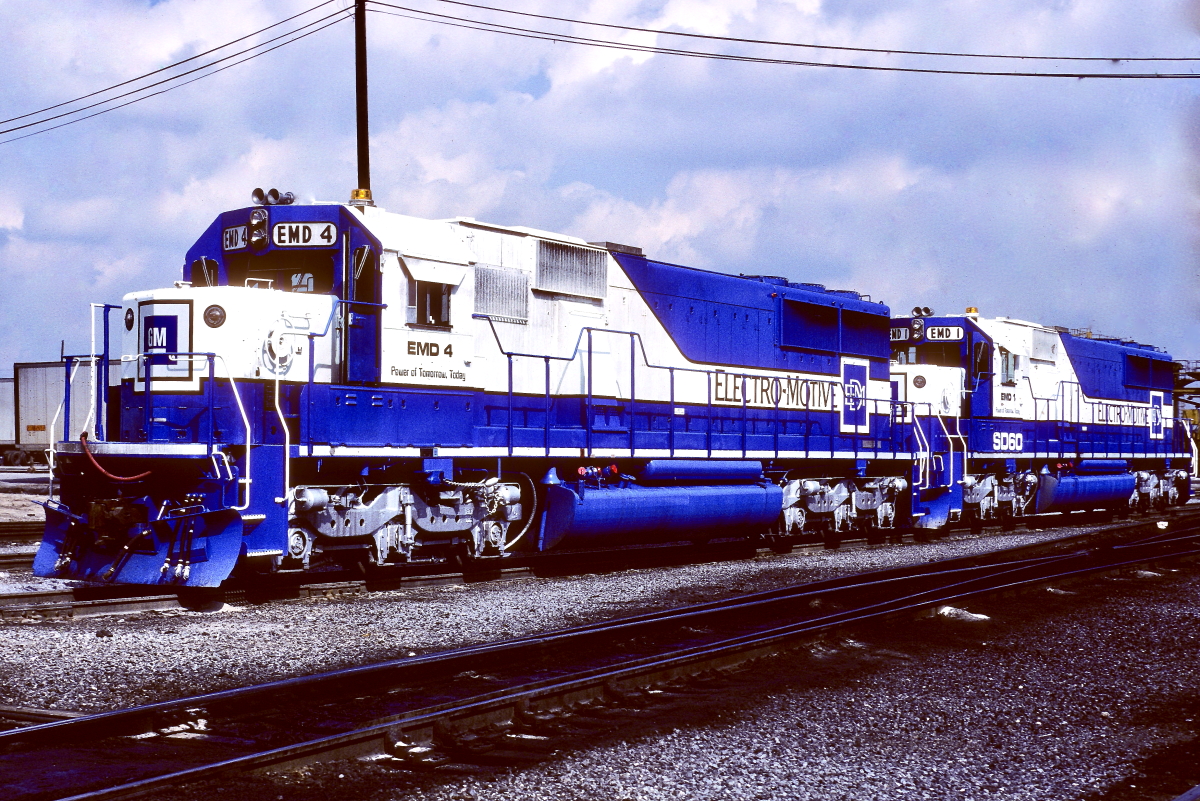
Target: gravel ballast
x: 1058, y: 696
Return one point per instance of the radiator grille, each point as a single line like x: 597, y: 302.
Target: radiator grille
x: 501, y: 292
x: 572, y: 270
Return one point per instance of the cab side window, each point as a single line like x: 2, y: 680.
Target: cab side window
x: 1008, y: 367
x: 429, y: 304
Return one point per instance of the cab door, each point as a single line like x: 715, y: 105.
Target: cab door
x: 361, y: 314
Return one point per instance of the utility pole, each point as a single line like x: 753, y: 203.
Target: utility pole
x: 362, y: 195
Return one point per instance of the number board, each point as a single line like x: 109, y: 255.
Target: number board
x: 234, y: 238
x: 943, y: 333
x: 304, y: 235
x: 900, y: 334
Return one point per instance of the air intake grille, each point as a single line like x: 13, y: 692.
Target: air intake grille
x: 572, y: 270
x: 502, y: 293
x: 1045, y: 345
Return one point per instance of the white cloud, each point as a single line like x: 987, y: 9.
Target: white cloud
x: 12, y: 215
x: 1011, y: 194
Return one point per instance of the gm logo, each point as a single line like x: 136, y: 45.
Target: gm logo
x: 1008, y: 441
x: 160, y: 332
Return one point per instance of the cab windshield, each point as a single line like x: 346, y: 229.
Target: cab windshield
x: 937, y: 353
x: 309, y: 271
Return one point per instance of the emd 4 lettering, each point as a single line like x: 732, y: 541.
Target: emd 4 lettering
x: 429, y: 349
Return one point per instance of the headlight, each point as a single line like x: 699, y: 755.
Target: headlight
x: 214, y: 316
x: 258, y: 228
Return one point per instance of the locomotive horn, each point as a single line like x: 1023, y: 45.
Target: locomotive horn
x: 257, y: 197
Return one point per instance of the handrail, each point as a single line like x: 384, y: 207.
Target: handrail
x: 926, y: 449
x: 588, y: 331
x: 950, y: 441
x: 210, y: 359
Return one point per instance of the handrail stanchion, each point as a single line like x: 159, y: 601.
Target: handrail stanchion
x: 147, y: 393
x: 212, y: 420
x: 306, y: 406
x: 510, y: 405
x: 546, y: 434
x: 632, y: 391
x: 588, y: 411
x: 671, y: 416
x: 745, y: 417
x: 777, y: 392
x: 66, y: 404
x: 708, y: 429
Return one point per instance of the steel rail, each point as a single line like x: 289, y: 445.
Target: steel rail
x: 130, y: 599
x: 881, y: 595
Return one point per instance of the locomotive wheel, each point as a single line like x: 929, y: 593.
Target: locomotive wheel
x: 779, y: 545
x: 1007, y: 521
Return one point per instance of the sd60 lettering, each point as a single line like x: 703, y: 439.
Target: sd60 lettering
x: 1007, y: 441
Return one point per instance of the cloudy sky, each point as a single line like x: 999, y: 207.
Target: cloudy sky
x: 1070, y: 202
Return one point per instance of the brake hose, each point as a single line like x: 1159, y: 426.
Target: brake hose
x: 87, y: 452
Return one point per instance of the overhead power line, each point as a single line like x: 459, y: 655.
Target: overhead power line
x: 174, y: 81
x: 550, y: 36
x: 885, y: 51
x: 168, y: 67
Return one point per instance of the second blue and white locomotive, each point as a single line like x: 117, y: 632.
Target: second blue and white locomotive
x: 334, y: 382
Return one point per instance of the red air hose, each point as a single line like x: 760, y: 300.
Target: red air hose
x: 103, y: 472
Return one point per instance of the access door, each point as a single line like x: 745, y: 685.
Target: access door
x: 361, y: 311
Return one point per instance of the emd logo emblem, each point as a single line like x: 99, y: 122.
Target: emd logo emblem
x: 854, y: 398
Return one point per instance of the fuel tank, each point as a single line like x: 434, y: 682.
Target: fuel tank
x: 579, y: 516
x: 1068, y: 493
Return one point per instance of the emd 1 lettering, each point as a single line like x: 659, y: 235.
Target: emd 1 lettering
x: 429, y: 349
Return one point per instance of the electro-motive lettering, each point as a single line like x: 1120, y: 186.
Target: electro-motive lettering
x: 1008, y: 441
x: 1113, y: 414
x: 767, y: 391
x: 304, y: 235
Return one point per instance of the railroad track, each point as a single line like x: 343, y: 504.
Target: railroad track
x: 22, y: 532
x: 410, y: 710
x: 98, y: 600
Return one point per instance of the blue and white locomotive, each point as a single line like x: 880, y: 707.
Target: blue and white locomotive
x: 333, y: 382
x: 1037, y: 419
